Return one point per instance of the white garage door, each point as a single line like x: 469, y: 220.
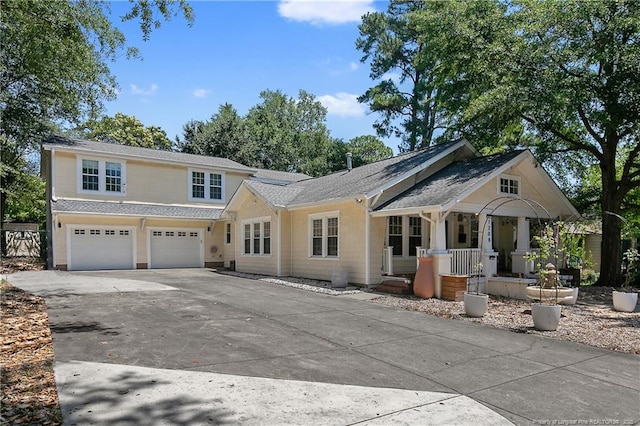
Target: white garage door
x: 176, y: 248
x: 100, y: 248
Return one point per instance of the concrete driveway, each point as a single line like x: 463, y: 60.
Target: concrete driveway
x: 192, y: 346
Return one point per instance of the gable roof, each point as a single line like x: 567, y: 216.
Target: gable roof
x: 115, y: 208
x: 278, y: 177
x: 359, y: 181
x: 275, y: 195
x: 371, y: 177
x: 105, y: 148
x: 446, y: 185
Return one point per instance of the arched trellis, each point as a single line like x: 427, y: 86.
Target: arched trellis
x: 503, y: 200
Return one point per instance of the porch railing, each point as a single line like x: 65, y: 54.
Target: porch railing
x: 465, y: 261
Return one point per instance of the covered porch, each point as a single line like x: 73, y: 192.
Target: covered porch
x: 460, y: 243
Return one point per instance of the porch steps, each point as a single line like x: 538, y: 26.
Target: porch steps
x: 395, y: 285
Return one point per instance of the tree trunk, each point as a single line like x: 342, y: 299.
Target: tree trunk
x: 612, y: 224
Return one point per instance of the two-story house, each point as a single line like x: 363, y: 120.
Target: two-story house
x: 111, y: 206
x: 117, y: 207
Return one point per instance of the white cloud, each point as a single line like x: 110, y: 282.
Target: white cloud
x: 325, y: 12
x: 201, y: 93
x: 354, y: 66
x: 342, y: 104
x: 135, y: 90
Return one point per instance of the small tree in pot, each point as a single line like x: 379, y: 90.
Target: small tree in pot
x: 626, y: 299
x: 546, y: 311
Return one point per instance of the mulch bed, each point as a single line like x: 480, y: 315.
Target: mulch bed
x: 28, y: 392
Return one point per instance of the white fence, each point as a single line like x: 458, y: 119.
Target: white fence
x: 466, y: 261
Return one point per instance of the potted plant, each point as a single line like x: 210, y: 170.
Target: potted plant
x: 626, y: 299
x: 546, y: 311
x: 475, y: 303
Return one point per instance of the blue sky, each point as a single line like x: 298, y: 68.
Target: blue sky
x: 235, y: 50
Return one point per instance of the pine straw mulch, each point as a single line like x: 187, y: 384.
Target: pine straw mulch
x: 28, y: 392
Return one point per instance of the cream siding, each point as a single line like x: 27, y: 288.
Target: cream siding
x: 286, y: 236
x: 378, y: 228
x: 351, y: 244
x: 149, y: 182
x: 254, y: 208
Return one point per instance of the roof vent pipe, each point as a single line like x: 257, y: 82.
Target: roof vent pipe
x: 349, y: 161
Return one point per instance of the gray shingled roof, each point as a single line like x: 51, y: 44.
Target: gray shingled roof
x: 449, y: 183
x: 280, y: 176
x: 276, y: 195
x: 363, y: 179
x: 131, y: 209
x: 152, y: 154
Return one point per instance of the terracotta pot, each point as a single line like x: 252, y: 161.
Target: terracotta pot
x: 424, y: 283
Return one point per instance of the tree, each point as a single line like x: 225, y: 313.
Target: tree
x: 290, y: 134
x: 224, y: 136
x: 54, y: 68
x: 364, y: 150
x: 127, y: 130
x: 394, y: 45
x: 560, y: 77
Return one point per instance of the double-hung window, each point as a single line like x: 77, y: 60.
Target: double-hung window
x: 395, y: 234
x: 206, y: 186
x: 257, y: 236
x: 324, y: 235
x: 99, y: 176
x: 404, y: 234
x: 509, y: 185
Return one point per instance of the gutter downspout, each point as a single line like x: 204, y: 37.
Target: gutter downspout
x: 367, y: 251
x: 279, y: 245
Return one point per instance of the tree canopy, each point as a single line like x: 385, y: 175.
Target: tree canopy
x: 280, y: 133
x: 406, y: 96
x: 127, y: 130
x: 558, y: 77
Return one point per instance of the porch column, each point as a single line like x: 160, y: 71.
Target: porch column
x: 438, y: 249
x: 489, y: 257
x: 518, y: 257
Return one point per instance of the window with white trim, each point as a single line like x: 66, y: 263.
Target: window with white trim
x: 415, y: 234
x: 404, y: 234
x: 257, y: 236
x: 509, y: 185
x: 206, y: 186
x: 324, y: 234
x: 228, y: 233
x: 395, y: 234
x: 100, y: 176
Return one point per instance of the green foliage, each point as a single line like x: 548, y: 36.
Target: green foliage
x: 225, y: 135
x: 396, y: 47
x: 280, y: 133
x: 559, y: 77
x: 54, y: 72
x: 127, y: 130
x: 25, y: 197
x: 367, y: 149
x: 632, y: 262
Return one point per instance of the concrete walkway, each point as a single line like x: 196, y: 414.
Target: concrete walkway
x: 194, y: 347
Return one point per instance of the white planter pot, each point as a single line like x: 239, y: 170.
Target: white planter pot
x: 624, y: 302
x: 574, y: 297
x: 545, y: 317
x: 475, y: 305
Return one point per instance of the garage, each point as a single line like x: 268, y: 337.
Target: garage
x: 176, y: 248
x: 94, y: 248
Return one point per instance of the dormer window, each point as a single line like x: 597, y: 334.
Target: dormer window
x: 206, y: 186
x: 509, y: 185
x: 101, y: 177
